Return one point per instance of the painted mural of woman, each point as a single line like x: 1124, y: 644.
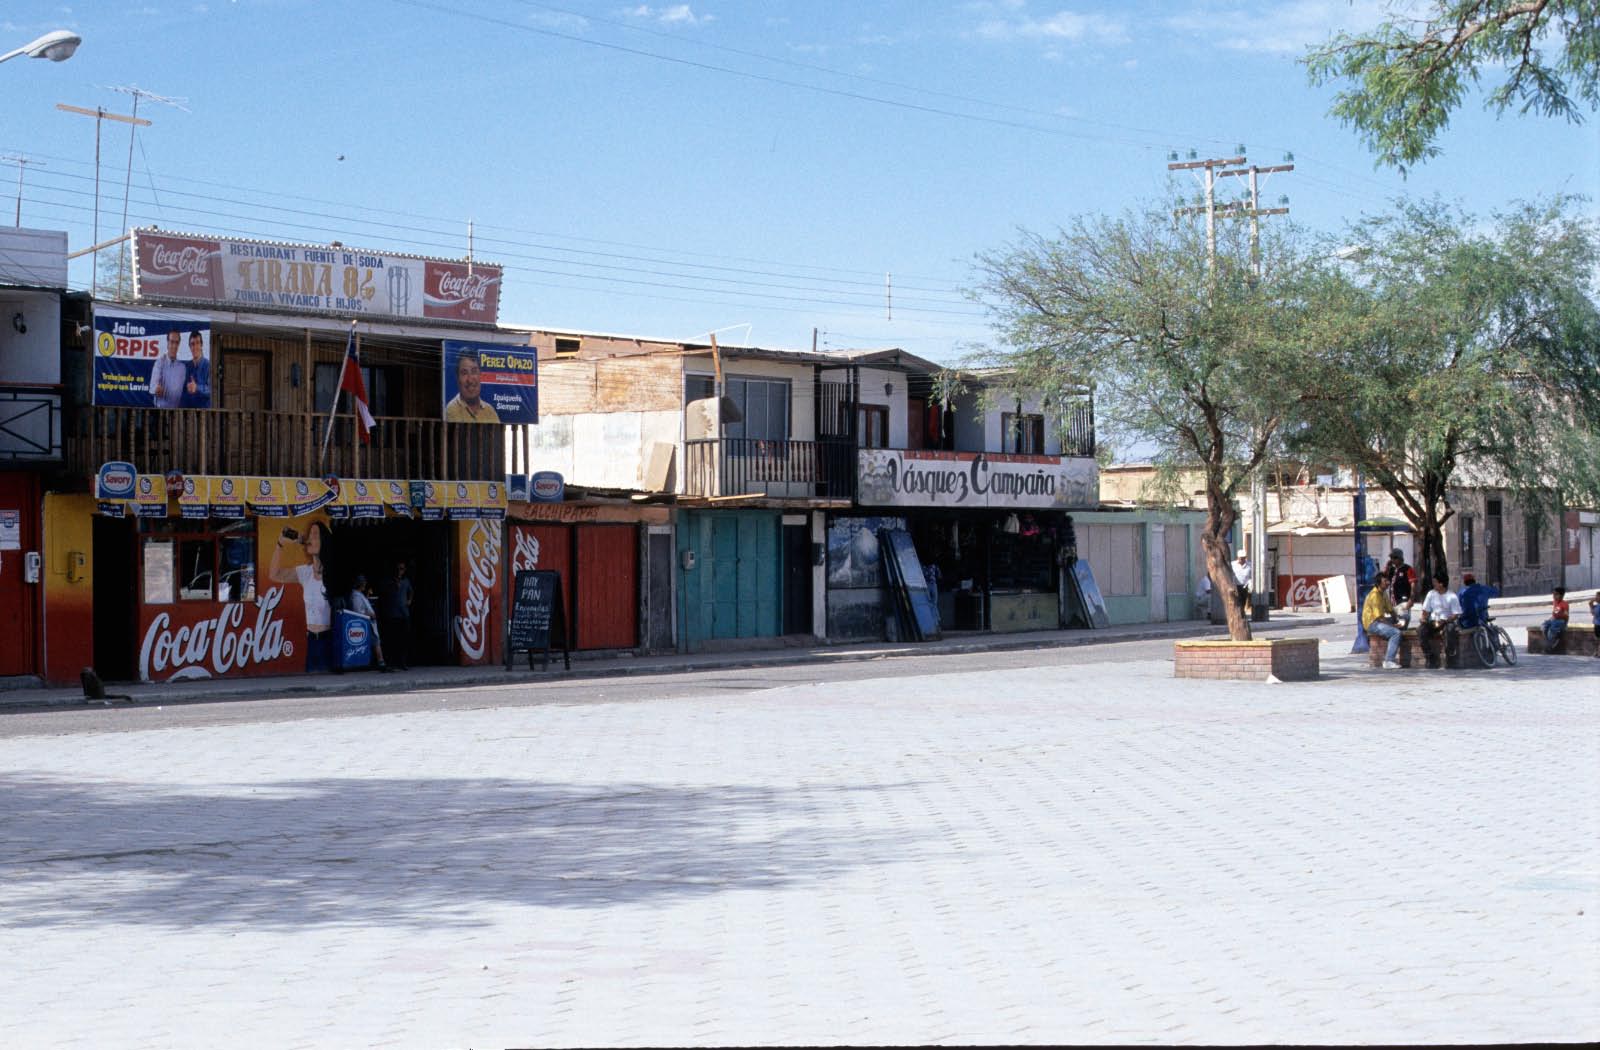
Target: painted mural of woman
x: 313, y: 590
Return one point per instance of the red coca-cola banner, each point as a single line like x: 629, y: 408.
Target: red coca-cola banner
x: 457, y: 292
x: 173, y: 267
x: 1295, y: 592
x: 478, y: 628
x: 217, y: 639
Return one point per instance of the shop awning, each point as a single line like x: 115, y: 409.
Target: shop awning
x: 122, y: 493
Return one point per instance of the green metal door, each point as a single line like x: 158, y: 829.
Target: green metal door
x: 734, y: 589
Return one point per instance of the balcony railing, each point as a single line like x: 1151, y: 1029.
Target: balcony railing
x: 281, y: 444
x: 778, y: 469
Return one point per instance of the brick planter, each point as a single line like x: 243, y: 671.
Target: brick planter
x: 1288, y: 659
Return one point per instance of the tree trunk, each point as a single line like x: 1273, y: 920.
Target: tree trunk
x: 1215, y: 538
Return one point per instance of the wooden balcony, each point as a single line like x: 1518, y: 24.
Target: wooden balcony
x: 774, y: 469
x: 281, y: 444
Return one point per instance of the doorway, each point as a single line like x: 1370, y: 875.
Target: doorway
x: 796, y: 574
x: 116, y: 599
x: 1493, y: 558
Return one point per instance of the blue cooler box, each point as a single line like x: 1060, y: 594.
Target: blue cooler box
x: 353, y: 633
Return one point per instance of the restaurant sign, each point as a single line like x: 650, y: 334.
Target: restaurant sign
x: 916, y: 478
x: 312, y: 278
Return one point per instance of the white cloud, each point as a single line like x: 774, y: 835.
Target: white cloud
x: 1286, y: 28
x: 673, y: 15
x: 1009, y: 20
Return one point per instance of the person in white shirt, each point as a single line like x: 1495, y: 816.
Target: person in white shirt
x: 360, y: 602
x: 1241, y: 576
x: 1441, y: 609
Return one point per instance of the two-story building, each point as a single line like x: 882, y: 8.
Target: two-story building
x: 783, y: 467
x: 219, y: 497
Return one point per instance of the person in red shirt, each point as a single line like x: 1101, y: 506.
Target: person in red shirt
x: 1557, y: 623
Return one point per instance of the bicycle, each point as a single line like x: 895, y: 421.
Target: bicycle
x: 1490, y: 640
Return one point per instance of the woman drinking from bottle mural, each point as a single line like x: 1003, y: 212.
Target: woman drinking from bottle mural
x: 313, y: 589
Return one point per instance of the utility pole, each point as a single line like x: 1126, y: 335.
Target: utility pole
x: 1253, y: 210
x: 22, y: 164
x: 100, y: 117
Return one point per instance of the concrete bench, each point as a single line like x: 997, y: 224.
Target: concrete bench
x: 1576, y: 640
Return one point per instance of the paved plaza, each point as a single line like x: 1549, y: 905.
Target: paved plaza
x: 1069, y: 848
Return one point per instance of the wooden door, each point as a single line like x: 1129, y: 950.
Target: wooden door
x: 606, y: 570
x: 19, y: 599
x: 246, y: 381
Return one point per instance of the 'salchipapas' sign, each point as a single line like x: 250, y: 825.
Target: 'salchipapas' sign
x: 911, y: 478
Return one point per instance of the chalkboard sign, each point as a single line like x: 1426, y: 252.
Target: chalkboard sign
x: 538, y: 618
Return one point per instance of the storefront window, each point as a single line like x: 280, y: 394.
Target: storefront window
x: 199, y: 561
x: 197, y: 569
x: 159, y: 571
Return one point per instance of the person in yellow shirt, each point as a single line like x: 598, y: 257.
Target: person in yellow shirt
x: 468, y: 405
x: 1377, y: 617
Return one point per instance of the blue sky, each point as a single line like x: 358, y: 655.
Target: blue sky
x: 669, y: 169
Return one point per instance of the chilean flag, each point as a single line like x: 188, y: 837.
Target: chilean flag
x: 350, y: 382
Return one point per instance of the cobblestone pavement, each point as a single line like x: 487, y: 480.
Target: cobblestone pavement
x: 1093, y: 853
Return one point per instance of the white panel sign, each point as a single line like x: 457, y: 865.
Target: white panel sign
x: 906, y: 478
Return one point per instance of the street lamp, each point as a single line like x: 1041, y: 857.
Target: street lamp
x: 56, y: 45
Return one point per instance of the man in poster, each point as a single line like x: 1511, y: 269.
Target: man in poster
x: 468, y: 406
x: 197, y: 390
x: 169, y: 376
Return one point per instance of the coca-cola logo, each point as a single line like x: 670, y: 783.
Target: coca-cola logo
x: 464, y: 286
x: 483, y: 573
x: 214, y: 646
x: 186, y: 260
x: 1303, y: 590
x: 524, y: 551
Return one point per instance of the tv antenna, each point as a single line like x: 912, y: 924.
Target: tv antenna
x: 139, y: 94
x: 22, y: 163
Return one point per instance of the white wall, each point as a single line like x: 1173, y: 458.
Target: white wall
x: 33, y: 356
x: 603, y: 449
x: 802, y: 402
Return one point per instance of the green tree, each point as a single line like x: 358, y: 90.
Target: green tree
x: 1407, y: 76
x: 1466, y: 348
x: 1190, y: 354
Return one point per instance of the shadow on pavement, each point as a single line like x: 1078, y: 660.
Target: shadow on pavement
x: 403, y: 852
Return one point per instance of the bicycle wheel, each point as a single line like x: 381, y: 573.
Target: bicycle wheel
x: 1506, y: 647
x: 1483, y: 646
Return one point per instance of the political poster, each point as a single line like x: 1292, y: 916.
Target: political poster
x: 151, y: 359
x: 490, y: 383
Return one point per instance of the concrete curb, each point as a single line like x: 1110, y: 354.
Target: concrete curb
x: 367, y: 683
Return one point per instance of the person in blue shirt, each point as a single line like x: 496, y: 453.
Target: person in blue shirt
x: 1474, y: 601
x: 197, y: 387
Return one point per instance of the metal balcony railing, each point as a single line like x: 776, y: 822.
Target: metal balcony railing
x: 780, y: 469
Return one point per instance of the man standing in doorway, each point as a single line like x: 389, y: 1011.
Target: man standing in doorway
x: 395, y: 612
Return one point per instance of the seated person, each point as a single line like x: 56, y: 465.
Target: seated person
x: 1557, y: 624
x: 1474, y: 602
x: 1441, y: 610
x: 1377, y: 617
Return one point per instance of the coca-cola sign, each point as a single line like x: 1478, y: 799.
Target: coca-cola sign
x: 1296, y: 592
x: 478, y: 609
x: 459, y: 292
x: 207, y: 640
x: 312, y: 278
x: 174, y: 267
